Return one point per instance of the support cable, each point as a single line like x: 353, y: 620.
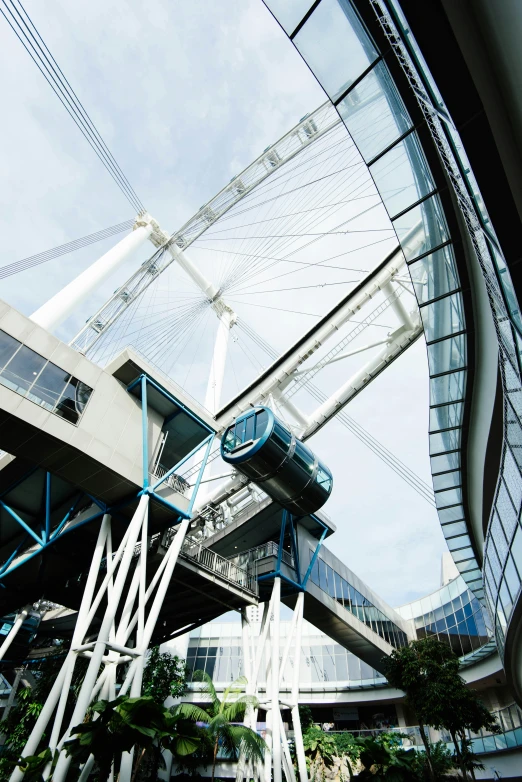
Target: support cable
x: 23, y: 26
x: 63, y: 249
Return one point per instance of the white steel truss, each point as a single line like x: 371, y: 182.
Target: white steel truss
x: 286, y: 375
x: 132, y: 610
x: 267, y: 646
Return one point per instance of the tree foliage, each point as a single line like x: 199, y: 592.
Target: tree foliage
x: 221, y: 718
x: 28, y: 705
x: 164, y: 675
x: 386, y: 761
x: 125, y: 723
x: 428, y: 671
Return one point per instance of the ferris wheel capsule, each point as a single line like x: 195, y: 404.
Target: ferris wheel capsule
x: 263, y: 448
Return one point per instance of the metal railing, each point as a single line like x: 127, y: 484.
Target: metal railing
x: 509, y: 720
x: 225, y: 568
x: 174, y: 482
x: 246, y: 559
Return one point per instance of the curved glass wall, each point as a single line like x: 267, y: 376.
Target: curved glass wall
x: 453, y: 615
x: 345, y: 60
x: 216, y: 648
x: 503, y: 550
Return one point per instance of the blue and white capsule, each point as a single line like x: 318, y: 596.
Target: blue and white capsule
x: 262, y: 448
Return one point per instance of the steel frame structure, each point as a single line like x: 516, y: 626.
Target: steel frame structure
x: 130, y: 611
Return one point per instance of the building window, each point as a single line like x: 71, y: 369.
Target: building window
x: 39, y: 380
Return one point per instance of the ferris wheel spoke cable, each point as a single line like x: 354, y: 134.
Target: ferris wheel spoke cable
x: 283, y: 175
x: 315, y: 239
x: 247, y: 270
x: 299, y: 199
x: 166, y: 343
x: 416, y: 483
x: 270, y: 184
x: 23, y: 27
x: 347, y: 138
x: 247, y: 205
x: 402, y: 470
x: 310, y: 264
x: 126, y: 336
x: 299, y: 196
x: 294, y: 214
x: 298, y: 288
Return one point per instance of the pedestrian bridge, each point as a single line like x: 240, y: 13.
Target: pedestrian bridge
x: 336, y: 601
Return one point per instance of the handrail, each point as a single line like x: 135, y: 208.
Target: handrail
x: 509, y: 720
x: 252, y: 555
x: 205, y: 558
x: 223, y: 567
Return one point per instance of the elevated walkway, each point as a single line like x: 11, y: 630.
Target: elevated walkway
x: 204, y: 586
x: 336, y: 601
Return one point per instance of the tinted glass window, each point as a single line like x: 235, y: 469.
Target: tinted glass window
x: 349, y: 51
x: 73, y: 400
x: 261, y: 423
x: 249, y: 427
x: 49, y: 386
x: 22, y: 370
x: 8, y: 347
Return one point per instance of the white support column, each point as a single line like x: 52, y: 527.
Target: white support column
x: 296, y: 720
x: 397, y: 305
x: 274, y: 658
x: 396, y: 342
x: 62, y: 304
x: 13, y: 632
x: 89, y: 682
x: 205, y: 286
x: 219, y: 359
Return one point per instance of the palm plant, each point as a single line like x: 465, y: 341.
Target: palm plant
x: 119, y: 725
x: 222, y: 717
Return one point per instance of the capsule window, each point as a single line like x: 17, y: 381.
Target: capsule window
x: 261, y: 419
x: 281, y: 437
x: 304, y: 458
x: 249, y: 427
x: 324, y: 478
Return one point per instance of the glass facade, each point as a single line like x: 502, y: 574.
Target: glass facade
x: 502, y: 568
x: 216, y: 648
x: 35, y: 378
x: 363, y: 91
x: 323, y: 576
x: 453, y: 615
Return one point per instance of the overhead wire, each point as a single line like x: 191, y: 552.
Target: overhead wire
x: 63, y: 249
x: 23, y: 27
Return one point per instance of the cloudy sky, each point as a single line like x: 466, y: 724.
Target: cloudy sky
x: 186, y: 95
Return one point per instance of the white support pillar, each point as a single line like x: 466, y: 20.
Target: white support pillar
x: 396, y: 342
x: 205, y: 286
x: 219, y: 359
x: 13, y: 632
x: 397, y: 305
x: 274, y: 659
x: 296, y: 720
x: 62, y: 304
